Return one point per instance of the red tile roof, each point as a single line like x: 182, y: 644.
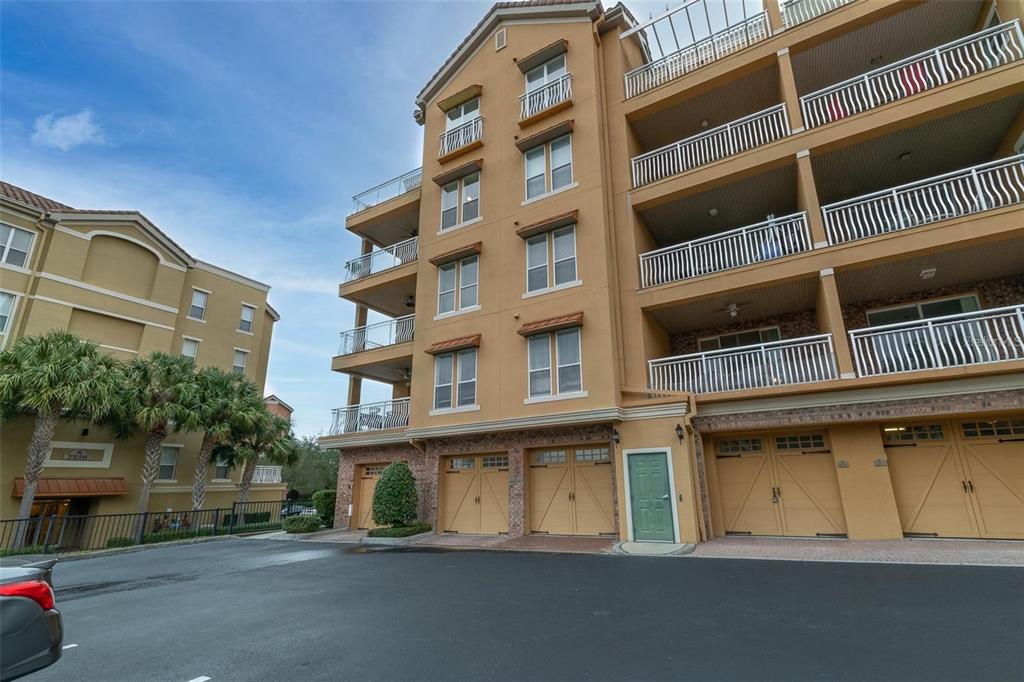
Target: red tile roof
x: 31, y: 198
x: 459, y: 343
x: 552, y: 324
x: 74, y: 487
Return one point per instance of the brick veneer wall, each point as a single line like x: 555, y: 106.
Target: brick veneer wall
x: 418, y: 461
x: 791, y: 326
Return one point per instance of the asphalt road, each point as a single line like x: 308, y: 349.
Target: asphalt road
x: 269, y: 610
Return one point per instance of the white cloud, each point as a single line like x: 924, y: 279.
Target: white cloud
x: 67, y: 132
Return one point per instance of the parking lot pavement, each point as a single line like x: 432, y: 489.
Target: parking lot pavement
x: 264, y: 610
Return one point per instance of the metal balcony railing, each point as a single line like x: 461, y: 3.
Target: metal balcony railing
x: 972, y: 190
x: 684, y: 60
x: 266, y: 474
x: 382, y: 259
x: 390, y: 414
x: 732, y: 138
x: 386, y: 191
x: 793, y: 361
x: 977, y: 338
x: 768, y: 240
x: 379, y: 335
x: 467, y: 133
x: 953, y: 61
x: 798, y: 11
x: 546, y: 96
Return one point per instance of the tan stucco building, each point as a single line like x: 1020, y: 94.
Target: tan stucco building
x: 115, y: 278
x: 709, y: 274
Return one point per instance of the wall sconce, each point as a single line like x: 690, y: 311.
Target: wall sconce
x: 615, y: 436
x: 680, y: 432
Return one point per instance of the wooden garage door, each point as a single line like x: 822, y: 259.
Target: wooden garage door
x: 958, y: 479
x: 570, y: 491
x: 476, y: 494
x: 367, y: 482
x: 778, y: 484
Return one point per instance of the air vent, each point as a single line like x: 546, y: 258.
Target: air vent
x: 500, y: 40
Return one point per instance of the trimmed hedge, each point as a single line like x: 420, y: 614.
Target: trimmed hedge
x: 400, y: 531
x: 301, y: 524
x: 324, y: 501
x: 394, y: 499
x: 120, y: 542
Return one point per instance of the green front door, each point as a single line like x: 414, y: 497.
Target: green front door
x: 650, y: 497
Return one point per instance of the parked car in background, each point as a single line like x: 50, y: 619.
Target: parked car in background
x: 31, y: 627
x: 296, y: 509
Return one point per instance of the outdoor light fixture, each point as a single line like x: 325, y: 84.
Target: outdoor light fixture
x: 927, y: 273
x: 712, y: 212
x: 615, y: 436
x: 680, y: 432
x: 410, y: 301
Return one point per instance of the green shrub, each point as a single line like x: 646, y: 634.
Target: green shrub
x: 169, y: 535
x: 26, y: 549
x: 301, y: 524
x: 120, y: 542
x: 251, y: 518
x: 324, y: 501
x: 400, y: 531
x: 394, y: 499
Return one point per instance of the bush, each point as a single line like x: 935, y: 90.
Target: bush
x: 120, y: 542
x: 394, y: 499
x: 25, y: 549
x: 324, y: 501
x: 400, y: 531
x: 251, y: 518
x: 301, y: 524
x: 169, y: 535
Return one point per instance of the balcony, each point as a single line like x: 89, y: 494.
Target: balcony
x: 379, y: 335
x: 556, y: 94
x: 382, y: 260
x: 795, y: 12
x: 768, y: 240
x: 266, y: 474
x: 460, y: 139
x: 976, y: 338
x: 973, y: 190
x: 389, y: 414
x: 957, y: 60
x: 718, y: 143
x: 387, y: 191
x: 778, y: 363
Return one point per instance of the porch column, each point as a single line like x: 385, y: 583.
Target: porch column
x: 424, y: 467
x: 516, y: 492
x: 774, y: 15
x: 807, y: 198
x: 830, y: 320
x: 790, y: 95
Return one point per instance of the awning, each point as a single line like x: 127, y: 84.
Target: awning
x: 74, y: 487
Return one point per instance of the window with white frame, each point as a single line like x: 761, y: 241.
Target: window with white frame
x: 462, y: 114
x: 551, y: 259
x: 190, y: 348
x: 6, y: 310
x: 238, y: 366
x: 548, y: 72
x: 246, y: 320
x: 15, y: 245
x: 221, y: 469
x: 460, y: 201
x: 549, y: 167
x: 455, y: 379
x: 168, y: 462
x: 924, y: 310
x: 751, y: 337
x: 197, y: 310
x: 457, y: 285
x: 564, y: 347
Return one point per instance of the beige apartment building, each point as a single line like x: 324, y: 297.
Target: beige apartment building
x: 115, y: 278
x: 735, y: 270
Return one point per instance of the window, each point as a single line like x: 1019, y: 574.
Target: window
x: 238, y: 366
x: 460, y: 201
x: 221, y: 469
x: 168, y: 462
x: 15, y: 244
x: 739, y: 339
x: 549, y: 167
x: 190, y: 348
x: 805, y: 442
x: 495, y: 461
x: 547, y: 72
x: 458, y: 370
x: 197, y: 310
x: 738, y: 445
x: 461, y: 463
x: 913, y: 432
x: 248, y: 314
x: 462, y: 114
x: 457, y: 285
x: 924, y: 310
x: 568, y: 368
x: 6, y: 310
x: 558, y: 248
x: 990, y: 429
x: 545, y: 457
x: 591, y: 454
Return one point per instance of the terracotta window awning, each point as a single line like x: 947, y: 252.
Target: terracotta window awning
x: 460, y: 97
x: 456, y: 173
x: 461, y: 252
x: 548, y: 224
x: 552, y: 324
x: 542, y: 55
x: 74, y: 487
x: 528, y: 143
x: 451, y: 345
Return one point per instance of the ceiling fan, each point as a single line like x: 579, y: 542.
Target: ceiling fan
x: 733, y: 309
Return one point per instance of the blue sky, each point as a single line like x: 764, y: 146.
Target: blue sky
x: 240, y: 128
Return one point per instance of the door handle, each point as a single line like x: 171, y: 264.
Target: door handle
x: 664, y: 497
x: 970, y: 484
x: 964, y: 484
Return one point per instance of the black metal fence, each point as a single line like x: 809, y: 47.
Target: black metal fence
x: 75, y: 533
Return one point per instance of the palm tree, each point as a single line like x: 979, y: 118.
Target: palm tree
x: 270, y: 441
x: 228, y: 403
x: 55, y: 375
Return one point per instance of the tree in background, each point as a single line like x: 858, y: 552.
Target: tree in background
x: 270, y: 441
x: 314, y: 469
x: 394, y: 498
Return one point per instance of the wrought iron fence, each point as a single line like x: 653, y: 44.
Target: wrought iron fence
x: 465, y: 134
x: 387, y: 191
x: 545, y: 96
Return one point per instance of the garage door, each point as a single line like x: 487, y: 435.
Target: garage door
x: 958, y: 479
x: 570, y: 491
x: 367, y: 481
x: 778, y: 484
x: 476, y: 494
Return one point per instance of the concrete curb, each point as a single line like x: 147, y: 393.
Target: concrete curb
x: 682, y: 550
x: 94, y: 553
x: 395, y: 541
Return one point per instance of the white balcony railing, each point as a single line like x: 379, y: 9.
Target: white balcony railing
x: 693, y: 56
x: 387, y: 191
x: 382, y: 259
x: 467, y: 133
x: 546, y: 96
x: 266, y: 474
x: 977, y: 338
x: 793, y: 361
x: 732, y: 138
x: 773, y: 238
x: 953, y: 61
x: 390, y: 414
x: 798, y: 11
x: 379, y: 335
x: 972, y: 190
